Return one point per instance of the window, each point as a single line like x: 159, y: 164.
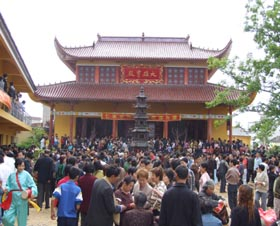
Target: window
x: 196, y: 75
x: 107, y: 75
x: 86, y: 74
x: 175, y: 75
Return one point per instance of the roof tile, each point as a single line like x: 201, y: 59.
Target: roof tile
x: 127, y: 92
x: 142, y: 49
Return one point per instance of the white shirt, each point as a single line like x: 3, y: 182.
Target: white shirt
x: 5, y: 172
x: 10, y: 163
x: 204, y: 177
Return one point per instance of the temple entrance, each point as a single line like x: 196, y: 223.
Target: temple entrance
x: 93, y: 127
x: 188, y: 130
x: 125, y: 128
x: 158, y: 129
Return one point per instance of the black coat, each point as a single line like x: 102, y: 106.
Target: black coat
x: 180, y: 206
x: 239, y: 217
x: 45, y: 168
x: 102, y: 206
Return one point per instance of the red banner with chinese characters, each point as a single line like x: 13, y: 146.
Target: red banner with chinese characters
x: 164, y: 117
x: 5, y: 99
x: 130, y: 116
x: 116, y: 116
x: 141, y: 74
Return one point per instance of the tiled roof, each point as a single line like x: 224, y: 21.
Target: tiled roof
x: 140, y: 48
x: 73, y: 91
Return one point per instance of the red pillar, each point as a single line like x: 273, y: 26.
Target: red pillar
x: 230, y: 124
x: 71, y: 122
x: 115, y: 128
x: 209, y: 128
x: 165, y: 129
x: 117, y: 74
x: 186, y: 79
x: 51, y: 122
x: 165, y: 76
x: 96, y: 78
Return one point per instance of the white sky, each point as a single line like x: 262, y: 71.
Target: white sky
x: 34, y: 25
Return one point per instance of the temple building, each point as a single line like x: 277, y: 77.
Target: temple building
x: 109, y: 75
x: 13, y: 70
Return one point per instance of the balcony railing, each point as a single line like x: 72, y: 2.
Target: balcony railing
x: 14, y: 107
x: 18, y: 111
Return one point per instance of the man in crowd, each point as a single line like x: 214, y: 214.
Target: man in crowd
x: 44, y: 169
x: 69, y: 196
x: 103, y: 205
x: 187, y: 211
x: 233, y: 178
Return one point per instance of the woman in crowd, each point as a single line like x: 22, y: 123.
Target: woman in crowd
x: 168, y: 177
x: 158, y: 190
x: 17, y: 182
x: 261, y: 182
x: 142, y: 183
x: 124, y: 196
x: 245, y: 213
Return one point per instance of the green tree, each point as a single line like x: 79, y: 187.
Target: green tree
x: 256, y: 75
x: 264, y: 130
x: 34, y: 139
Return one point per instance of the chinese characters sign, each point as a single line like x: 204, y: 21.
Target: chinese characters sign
x: 141, y: 74
x: 130, y: 116
x: 116, y: 116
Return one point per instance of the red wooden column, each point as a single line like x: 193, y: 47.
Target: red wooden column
x: 209, y: 127
x: 165, y: 76
x: 115, y: 122
x: 71, y: 122
x: 96, y: 77
x: 165, y: 129
x: 51, y: 122
x: 115, y: 128
x: 230, y: 125
x: 186, y: 78
x: 117, y: 74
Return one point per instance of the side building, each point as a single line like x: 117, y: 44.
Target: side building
x: 13, y: 71
x: 109, y: 75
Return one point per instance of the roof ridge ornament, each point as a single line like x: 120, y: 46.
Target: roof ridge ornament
x: 187, y: 38
x: 143, y: 36
x: 98, y: 37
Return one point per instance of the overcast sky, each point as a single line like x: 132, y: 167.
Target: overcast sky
x: 35, y: 24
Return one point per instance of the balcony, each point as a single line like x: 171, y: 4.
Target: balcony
x: 15, y: 108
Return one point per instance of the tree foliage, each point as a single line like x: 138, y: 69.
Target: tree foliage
x: 34, y: 139
x: 256, y: 75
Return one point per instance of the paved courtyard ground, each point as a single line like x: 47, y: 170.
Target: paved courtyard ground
x: 42, y: 218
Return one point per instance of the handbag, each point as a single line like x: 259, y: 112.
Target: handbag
x: 221, y: 213
x: 267, y: 217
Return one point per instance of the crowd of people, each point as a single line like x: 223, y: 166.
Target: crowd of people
x: 103, y: 182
